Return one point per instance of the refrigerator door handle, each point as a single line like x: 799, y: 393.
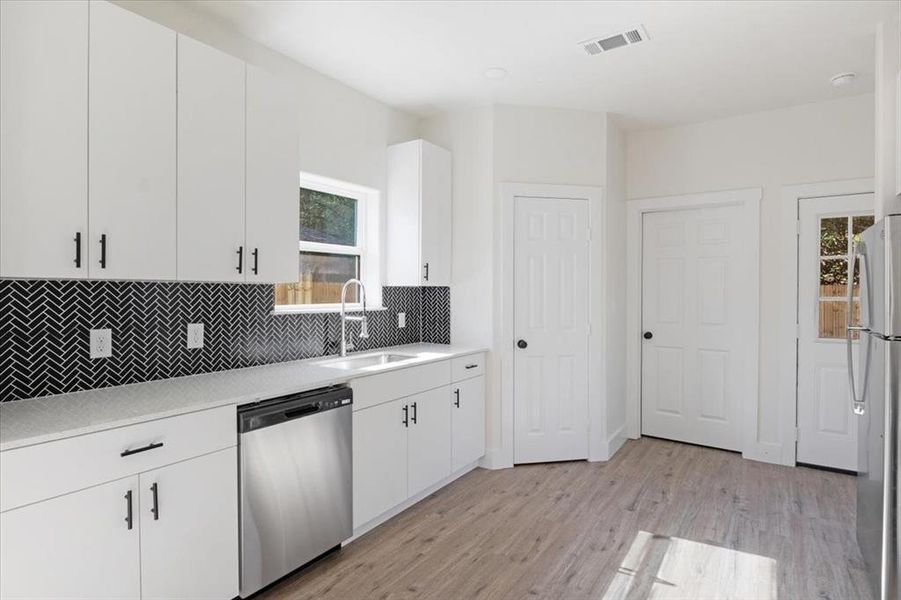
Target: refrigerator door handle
x: 858, y: 251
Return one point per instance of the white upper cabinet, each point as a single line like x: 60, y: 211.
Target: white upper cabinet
x: 273, y: 181
x: 210, y: 164
x: 43, y: 138
x: 132, y: 146
x: 419, y: 215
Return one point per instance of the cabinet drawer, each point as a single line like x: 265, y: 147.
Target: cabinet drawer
x: 471, y: 365
x: 46, y: 470
x: 376, y: 389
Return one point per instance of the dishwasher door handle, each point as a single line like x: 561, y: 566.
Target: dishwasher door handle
x: 302, y: 411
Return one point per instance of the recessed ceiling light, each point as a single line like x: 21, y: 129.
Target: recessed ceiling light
x: 843, y: 79
x: 495, y: 73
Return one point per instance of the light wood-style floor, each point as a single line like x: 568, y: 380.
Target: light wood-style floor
x: 660, y: 520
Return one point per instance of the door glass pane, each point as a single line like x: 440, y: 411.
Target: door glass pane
x: 860, y: 223
x: 327, y: 218
x: 833, y: 277
x: 833, y: 236
x: 321, y: 279
x: 855, y: 289
x: 833, y: 318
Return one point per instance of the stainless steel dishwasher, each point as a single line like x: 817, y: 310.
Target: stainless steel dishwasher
x: 296, y: 479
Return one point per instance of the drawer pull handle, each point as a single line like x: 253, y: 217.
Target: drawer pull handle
x: 129, y: 516
x: 471, y: 366
x: 130, y: 451
x: 154, y: 489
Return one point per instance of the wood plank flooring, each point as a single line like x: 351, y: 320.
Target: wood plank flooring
x: 660, y: 520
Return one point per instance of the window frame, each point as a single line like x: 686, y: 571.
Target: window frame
x: 368, y: 226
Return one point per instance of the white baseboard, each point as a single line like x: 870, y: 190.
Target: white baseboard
x: 768, y: 452
x: 494, y: 460
x: 393, y: 512
x: 611, y: 446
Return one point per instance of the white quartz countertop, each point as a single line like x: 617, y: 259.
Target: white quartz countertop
x: 48, y: 418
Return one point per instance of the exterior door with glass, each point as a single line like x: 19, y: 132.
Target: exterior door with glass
x: 827, y: 432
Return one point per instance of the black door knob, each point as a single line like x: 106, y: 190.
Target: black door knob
x: 522, y: 343
x: 648, y: 335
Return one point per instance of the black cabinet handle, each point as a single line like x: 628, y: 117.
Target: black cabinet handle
x: 522, y: 344
x: 154, y: 489
x: 129, y: 452
x: 426, y: 271
x: 256, y: 261
x: 77, y: 249
x: 413, y: 418
x: 406, y: 416
x: 457, y: 397
x: 129, y: 515
x: 240, y: 259
x: 648, y: 335
x: 102, y: 250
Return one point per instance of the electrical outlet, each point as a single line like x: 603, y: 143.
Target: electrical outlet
x: 401, y: 320
x: 101, y: 343
x: 195, y: 335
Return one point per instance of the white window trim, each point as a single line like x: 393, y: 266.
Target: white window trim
x: 367, y: 248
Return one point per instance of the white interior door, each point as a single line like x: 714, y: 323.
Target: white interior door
x: 550, y: 406
x: 692, y: 355
x: 827, y: 431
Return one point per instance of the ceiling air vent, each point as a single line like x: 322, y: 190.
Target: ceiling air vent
x: 614, y: 41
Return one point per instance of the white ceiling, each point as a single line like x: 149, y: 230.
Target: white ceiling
x: 704, y: 60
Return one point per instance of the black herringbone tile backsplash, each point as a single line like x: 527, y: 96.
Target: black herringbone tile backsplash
x: 45, y: 324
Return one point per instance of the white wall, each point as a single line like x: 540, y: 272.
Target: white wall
x: 343, y: 133
x: 615, y: 298
x: 888, y: 111
x: 825, y: 141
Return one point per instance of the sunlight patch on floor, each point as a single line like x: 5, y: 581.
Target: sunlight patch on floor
x: 670, y: 568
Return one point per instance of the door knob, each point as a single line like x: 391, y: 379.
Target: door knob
x: 648, y: 335
x: 522, y: 343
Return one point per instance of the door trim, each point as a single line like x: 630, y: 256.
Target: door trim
x: 784, y: 451
x: 601, y: 443
x: 749, y: 200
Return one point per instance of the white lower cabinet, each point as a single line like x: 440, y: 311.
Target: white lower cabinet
x: 150, y: 511
x: 189, y: 528
x: 379, y: 460
x: 428, y: 440
x: 78, y: 545
x: 468, y: 422
x: 405, y: 446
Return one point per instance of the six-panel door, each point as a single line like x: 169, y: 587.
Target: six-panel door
x: 132, y: 146
x: 467, y: 422
x: 379, y: 459
x: 189, y: 528
x: 44, y: 141
x: 79, y: 545
x: 429, y: 444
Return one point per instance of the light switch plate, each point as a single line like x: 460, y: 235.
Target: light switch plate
x: 101, y: 343
x: 195, y: 335
x: 401, y: 320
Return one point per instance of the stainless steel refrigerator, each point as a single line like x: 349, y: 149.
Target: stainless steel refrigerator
x: 874, y: 394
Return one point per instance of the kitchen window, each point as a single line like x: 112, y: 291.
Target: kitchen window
x: 337, y: 240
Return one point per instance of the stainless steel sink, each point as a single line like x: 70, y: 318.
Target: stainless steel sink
x: 366, y: 360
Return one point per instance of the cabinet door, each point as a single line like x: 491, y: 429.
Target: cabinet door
x: 379, y: 460
x: 273, y: 181
x: 402, y: 264
x: 189, y: 528
x: 435, y: 215
x: 429, y: 445
x: 74, y: 546
x: 132, y: 149
x: 210, y: 163
x: 43, y: 138
x: 468, y: 421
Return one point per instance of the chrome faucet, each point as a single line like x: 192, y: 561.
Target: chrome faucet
x: 364, y: 322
